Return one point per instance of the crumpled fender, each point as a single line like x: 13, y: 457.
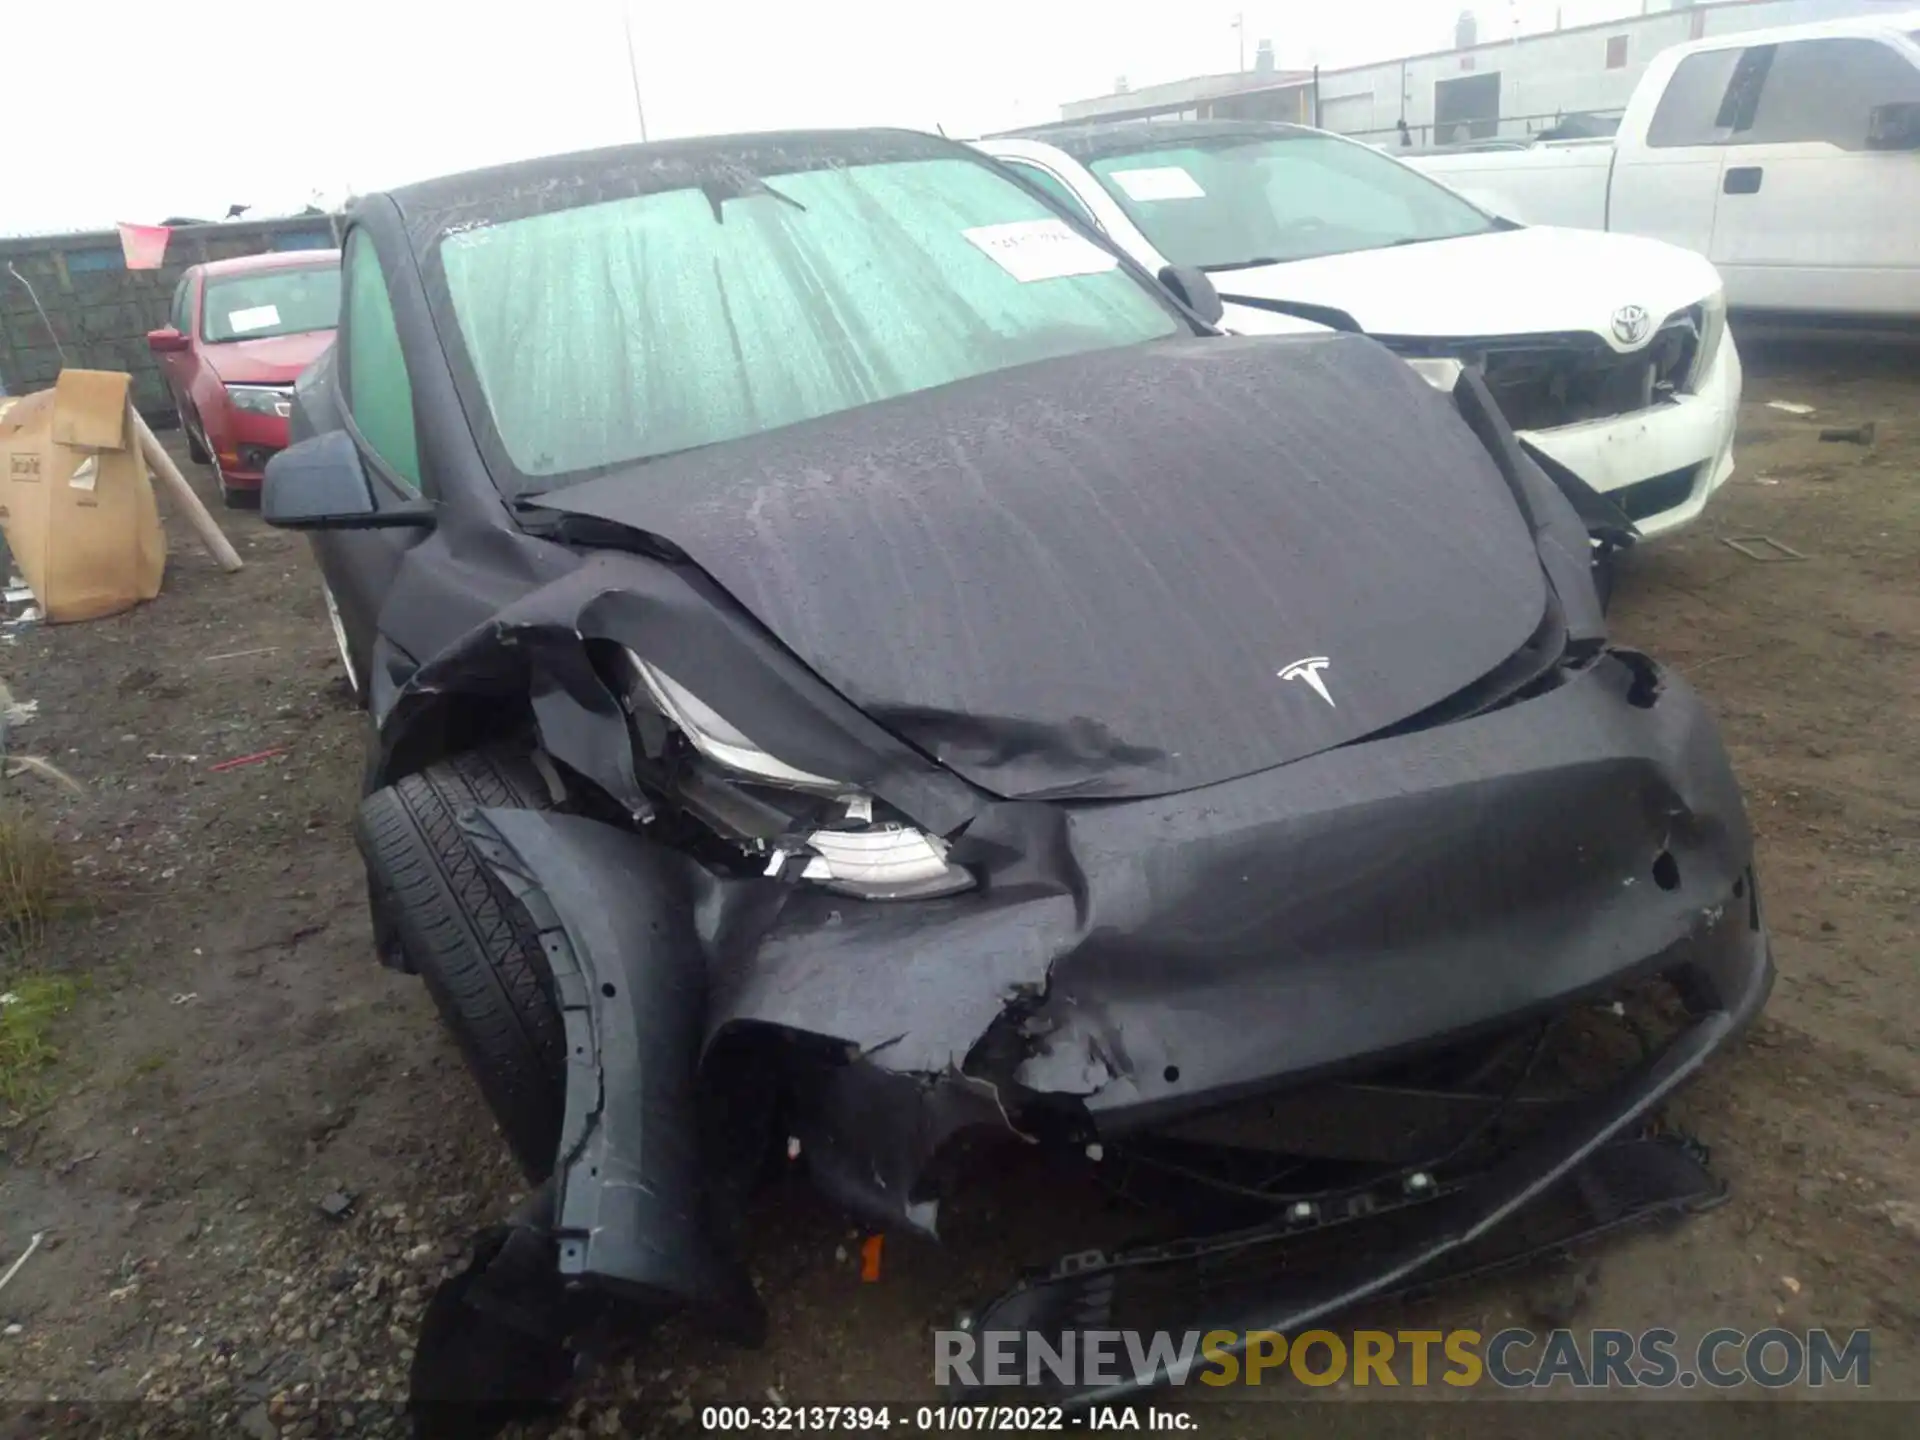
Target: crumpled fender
x: 631, y: 1210
x: 533, y: 656
x: 1118, y: 965
x: 632, y: 931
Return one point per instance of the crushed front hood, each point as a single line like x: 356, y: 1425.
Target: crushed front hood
x: 1535, y: 281
x: 1089, y: 577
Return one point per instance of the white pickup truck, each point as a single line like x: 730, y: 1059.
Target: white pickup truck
x: 1788, y: 157
x: 1608, y: 355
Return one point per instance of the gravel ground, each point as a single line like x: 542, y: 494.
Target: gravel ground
x: 259, y: 1153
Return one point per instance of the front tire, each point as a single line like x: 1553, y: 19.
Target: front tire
x: 473, y: 944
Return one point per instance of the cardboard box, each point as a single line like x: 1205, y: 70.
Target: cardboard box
x: 76, y: 500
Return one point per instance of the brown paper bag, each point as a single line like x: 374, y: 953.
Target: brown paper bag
x: 75, y: 498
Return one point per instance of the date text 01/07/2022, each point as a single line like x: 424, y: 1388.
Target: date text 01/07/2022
x: 979, y: 1419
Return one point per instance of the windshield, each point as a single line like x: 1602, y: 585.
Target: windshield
x: 270, y: 302
x: 633, y: 328
x: 1248, y: 199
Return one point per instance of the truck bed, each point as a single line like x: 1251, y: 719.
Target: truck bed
x: 1563, y: 182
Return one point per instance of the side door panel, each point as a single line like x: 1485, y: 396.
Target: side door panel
x: 1810, y: 219
x: 1668, y: 188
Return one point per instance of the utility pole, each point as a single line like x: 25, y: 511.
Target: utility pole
x: 633, y: 68
x: 1240, y: 25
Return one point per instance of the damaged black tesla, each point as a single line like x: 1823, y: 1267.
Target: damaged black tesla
x: 860, y: 672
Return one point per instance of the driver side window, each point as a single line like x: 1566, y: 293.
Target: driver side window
x: 379, y: 391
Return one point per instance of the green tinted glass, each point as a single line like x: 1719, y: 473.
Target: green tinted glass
x: 378, y: 390
x: 642, y: 326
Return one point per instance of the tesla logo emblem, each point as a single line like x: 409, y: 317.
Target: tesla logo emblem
x: 1309, y: 671
x: 1630, y: 324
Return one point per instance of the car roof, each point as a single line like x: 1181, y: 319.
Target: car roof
x: 1869, y: 26
x: 1093, y: 140
x: 271, y: 260
x: 430, y: 208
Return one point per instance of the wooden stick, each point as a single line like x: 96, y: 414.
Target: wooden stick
x: 181, y: 493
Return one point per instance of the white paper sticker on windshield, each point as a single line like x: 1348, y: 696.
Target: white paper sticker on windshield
x: 1163, y: 182
x: 259, y: 317
x: 1040, y: 250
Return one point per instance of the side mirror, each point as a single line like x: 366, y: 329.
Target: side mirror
x: 320, y: 484
x: 166, y: 341
x: 1894, y: 126
x: 1192, y: 288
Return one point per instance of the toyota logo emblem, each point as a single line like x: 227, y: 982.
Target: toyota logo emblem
x: 1630, y: 324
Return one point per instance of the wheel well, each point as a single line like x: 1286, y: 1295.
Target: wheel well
x: 453, y: 723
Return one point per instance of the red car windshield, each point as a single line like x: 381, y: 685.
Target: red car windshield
x: 270, y: 302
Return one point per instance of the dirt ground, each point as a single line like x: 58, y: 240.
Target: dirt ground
x: 236, y: 1055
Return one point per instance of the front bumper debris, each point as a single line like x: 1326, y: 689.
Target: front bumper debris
x: 1126, y: 972
x: 1173, y: 1289
x: 1660, y: 463
x: 1585, y: 1180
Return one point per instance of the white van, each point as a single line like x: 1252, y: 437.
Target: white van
x: 1788, y: 157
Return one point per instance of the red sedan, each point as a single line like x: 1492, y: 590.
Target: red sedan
x: 238, y: 335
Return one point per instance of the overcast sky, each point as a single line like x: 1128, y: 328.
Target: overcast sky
x: 133, y: 111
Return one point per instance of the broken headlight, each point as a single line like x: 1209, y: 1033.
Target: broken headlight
x: 841, y: 845
x: 714, y: 737
x: 873, y: 861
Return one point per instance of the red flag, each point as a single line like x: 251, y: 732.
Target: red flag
x: 145, y: 246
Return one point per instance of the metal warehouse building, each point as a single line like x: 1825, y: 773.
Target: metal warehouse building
x: 1503, y: 89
